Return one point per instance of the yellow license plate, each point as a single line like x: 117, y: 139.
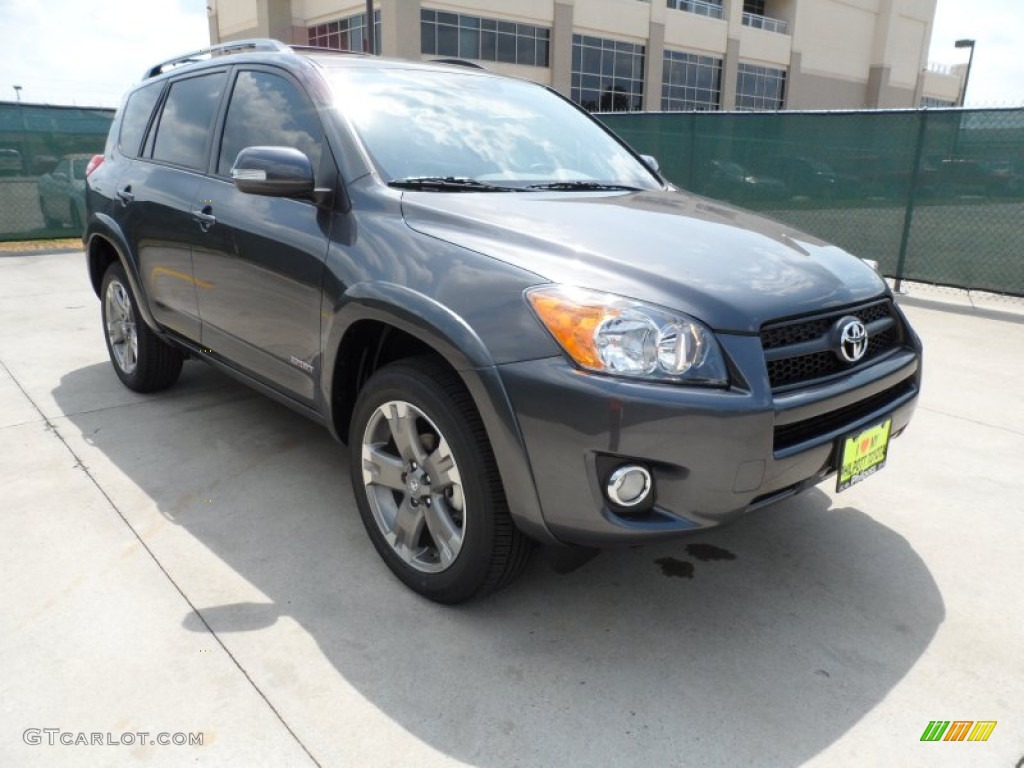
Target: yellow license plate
x: 863, y: 454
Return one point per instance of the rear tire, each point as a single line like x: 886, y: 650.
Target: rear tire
x: 141, y: 360
x: 427, y: 484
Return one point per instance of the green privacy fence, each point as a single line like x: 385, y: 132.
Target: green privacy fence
x: 932, y: 195
x: 43, y: 154
x: 935, y: 196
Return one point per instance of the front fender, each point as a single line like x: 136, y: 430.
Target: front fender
x: 451, y: 337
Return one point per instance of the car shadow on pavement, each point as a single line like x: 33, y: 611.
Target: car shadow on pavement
x: 761, y: 643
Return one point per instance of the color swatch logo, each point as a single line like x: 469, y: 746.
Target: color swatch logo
x: 958, y: 730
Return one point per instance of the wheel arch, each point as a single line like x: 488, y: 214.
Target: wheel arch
x: 105, y: 244
x: 380, y: 323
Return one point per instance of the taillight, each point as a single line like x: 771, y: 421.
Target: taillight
x: 95, y: 162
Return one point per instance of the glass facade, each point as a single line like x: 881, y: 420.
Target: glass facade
x: 931, y: 101
x: 346, y: 34
x: 607, y: 75
x: 690, y: 82
x: 760, y: 88
x: 472, y: 37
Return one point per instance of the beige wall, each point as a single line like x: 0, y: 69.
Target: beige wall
x: 529, y: 11
x: 695, y: 33
x: 939, y: 85
x: 621, y: 19
x: 838, y: 53
x: 836, y: 39
x: 235, y: 16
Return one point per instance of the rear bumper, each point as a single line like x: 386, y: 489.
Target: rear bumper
x: 714, y: 454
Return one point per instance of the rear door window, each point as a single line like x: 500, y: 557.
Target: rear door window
x: 183, y: 134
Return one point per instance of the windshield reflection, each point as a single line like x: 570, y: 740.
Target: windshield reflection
x: 423, y: 123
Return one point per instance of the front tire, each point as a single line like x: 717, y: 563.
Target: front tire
x: 141, y: 360
x: 427, y: 485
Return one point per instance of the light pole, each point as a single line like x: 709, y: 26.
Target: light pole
x: 24, y: 130
x: 967, y: 75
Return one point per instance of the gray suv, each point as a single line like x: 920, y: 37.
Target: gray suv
x: 522, y: 332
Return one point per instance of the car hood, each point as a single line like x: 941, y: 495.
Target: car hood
x: 730, y: 268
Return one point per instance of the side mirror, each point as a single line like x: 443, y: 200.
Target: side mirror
x: 274, y: 172
x: 652, y: 162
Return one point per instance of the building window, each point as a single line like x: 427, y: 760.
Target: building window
x: 760, y: 87
x: 471, y: 37
x: 932, y: 102
x: 711, y: 8
x: 348, y: 34
x: 690, y: 82
x: 607, y: 75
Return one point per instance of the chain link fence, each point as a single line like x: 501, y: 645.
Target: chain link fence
x: 43, y: 154
x: 934, y: 196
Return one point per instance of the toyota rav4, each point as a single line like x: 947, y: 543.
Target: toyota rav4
x: 521, y: 330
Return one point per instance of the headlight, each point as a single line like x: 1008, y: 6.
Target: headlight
x: 620, y: 336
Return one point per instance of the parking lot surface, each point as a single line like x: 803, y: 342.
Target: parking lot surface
x: 193, y: 562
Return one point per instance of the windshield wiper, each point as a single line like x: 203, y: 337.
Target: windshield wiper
x: 583, y: 186
x: 449, y: 184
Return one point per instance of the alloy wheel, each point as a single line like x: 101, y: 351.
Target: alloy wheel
x: 413, y: 486
x: 121, y: 332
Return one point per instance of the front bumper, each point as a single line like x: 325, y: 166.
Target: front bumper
x: 714, y: 453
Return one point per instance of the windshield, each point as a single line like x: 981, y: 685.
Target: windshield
x: 437, y: 124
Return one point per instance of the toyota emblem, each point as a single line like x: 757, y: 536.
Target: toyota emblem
x: 853, y: 339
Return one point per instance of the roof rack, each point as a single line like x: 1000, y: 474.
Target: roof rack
x: 458, y: 62
x: 319, y: 49
x: 223, y: 49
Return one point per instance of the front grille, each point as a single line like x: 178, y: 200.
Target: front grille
x: 788, y: 435
x: 821, y: 361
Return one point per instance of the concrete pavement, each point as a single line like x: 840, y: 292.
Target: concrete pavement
x: 193, y: 562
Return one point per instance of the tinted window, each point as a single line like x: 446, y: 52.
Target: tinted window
x: 136, y: 117
x: 268, y: 111
x: 186, y: 120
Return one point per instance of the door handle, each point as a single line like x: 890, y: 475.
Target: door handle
x: 205, y: 217
x: 126, y: 194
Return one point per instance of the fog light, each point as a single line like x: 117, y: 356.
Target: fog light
x: 629, y: 485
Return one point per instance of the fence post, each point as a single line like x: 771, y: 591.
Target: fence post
x: 908, y: 215
x: 691, y: 183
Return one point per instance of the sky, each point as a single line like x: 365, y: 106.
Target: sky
x: 997, y: 26
x: 89, y: 52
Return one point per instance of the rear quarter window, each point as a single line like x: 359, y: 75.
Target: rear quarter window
x: 136, y: 117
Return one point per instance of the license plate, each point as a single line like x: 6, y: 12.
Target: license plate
x: 863, y: 454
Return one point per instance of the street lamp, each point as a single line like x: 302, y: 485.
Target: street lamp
x: 967, y: 75
x: 24, y: 130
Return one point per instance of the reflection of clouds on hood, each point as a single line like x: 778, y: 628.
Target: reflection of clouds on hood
x: 426, y: 123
